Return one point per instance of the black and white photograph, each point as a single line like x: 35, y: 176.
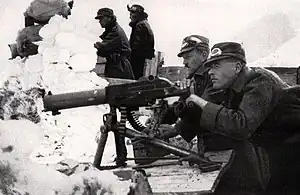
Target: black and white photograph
x: 149, y: 97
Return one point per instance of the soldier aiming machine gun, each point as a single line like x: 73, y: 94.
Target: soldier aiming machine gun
x: 127, y: 97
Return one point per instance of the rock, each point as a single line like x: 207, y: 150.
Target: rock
x: 25, y: 45
x: 43, y: 10
x: 93, y: 182
x: 140, y: 184
x: 20, y: 104
x: 13, y: 50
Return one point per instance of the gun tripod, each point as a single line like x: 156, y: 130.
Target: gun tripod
x: 111, y: 124
x: 120, y: 131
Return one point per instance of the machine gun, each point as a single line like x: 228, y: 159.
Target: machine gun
x: 127, y: 97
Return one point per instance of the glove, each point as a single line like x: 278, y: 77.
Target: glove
x: 163, y: 132
x: 188, y: 112
x: 170, y: 116
x: 97, y: 45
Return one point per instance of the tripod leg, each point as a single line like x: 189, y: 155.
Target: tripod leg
x: 119, y: 133
x: 100, y: 148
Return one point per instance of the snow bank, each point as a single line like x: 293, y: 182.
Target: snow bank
x: 60, y: 68
x: 62, y: 65
x: 19, y: 175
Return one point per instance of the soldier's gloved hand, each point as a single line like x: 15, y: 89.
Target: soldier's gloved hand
x: 196, y: 100
x: 97, y: 45
x: 186, y: 83
x: 163, y: 132
x: 179, y: 108
x: 170, y: 116
x: 188, y: 112
x: 166, y: 131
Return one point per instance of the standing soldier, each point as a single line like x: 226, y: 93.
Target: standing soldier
x: 114, y: 46
x: 141, y: 39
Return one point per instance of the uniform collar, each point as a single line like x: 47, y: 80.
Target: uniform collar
x: 202, y: 70
x: 241, y: 80
x: 134, y: 23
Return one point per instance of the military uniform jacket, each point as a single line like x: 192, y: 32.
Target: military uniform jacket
x: 142, y: 39
x: 115, y: 48
x: 251, y: 105
x: 190, y: 116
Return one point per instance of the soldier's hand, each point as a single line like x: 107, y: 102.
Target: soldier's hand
x: 185, y: 83
x: 196, y: 100
x: 97, y: 45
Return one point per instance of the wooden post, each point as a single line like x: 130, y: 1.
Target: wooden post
x: 151, y: 66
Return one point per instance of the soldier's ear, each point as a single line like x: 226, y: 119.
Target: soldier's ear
x: 238, y: 67
x: 204, y: 54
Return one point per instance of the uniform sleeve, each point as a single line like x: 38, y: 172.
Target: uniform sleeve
x: 186, y: 130
x: 110, y: 44
x: 256, y: 105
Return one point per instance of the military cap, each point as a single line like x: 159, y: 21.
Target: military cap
x: 191, y: 42
x: 226, y: 50
x: 135, y: 8
x: 104, y: 12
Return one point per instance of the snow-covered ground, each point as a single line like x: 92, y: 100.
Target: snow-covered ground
x: 269, y: 30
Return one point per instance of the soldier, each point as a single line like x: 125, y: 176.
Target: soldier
x: 257, y: 117
x: 255, y: 112
x: 194, y: 51
x: 114, y: 46
x: 141, y: 39
x: 251, y: 96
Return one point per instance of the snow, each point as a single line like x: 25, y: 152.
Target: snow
x: 66, y: 55
x: 286, y: 55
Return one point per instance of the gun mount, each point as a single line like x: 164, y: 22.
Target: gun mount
x: 142, y: 93
x: 127, y: 97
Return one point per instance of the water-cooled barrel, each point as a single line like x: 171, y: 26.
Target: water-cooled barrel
x: 74, y: 100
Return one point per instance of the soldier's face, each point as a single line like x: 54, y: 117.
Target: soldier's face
x: 223, y: 72
x: 104, y: 20
x: 133, y: 16
x: 193, y: 59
